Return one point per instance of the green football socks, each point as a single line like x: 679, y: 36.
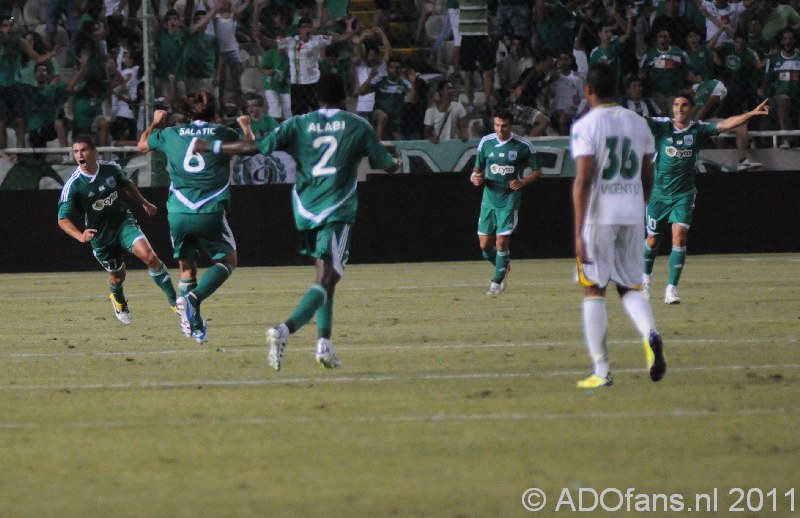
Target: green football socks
x: 312, y: 301
x: 649, y: 258
x: 676, y: 261
x: 164, y: 281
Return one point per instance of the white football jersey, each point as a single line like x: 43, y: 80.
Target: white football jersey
x: 618, y: 139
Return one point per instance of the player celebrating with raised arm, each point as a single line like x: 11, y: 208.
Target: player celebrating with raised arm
x: 678, y: 141
x: 328, y: 144
x: 613, y: 153
x: 197, y: 204
x: 94, y: 189
x: 500, y: 164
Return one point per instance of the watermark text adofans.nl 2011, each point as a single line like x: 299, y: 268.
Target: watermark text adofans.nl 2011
x: 736, y: 499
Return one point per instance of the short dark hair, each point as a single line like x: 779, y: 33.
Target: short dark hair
x: 602, y: 79
x: 85, y: 139
x: 305, y: 20
x: 330, y: 89
x: 686, y: 94
x: 504, y: 113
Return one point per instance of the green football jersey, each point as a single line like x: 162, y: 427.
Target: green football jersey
x: 199, y: 182
x: 279, y: 62
x: 44, y: 104
x: 676, y: 154
x: 666, y: 70
x: 328, y: 146
x: 97, y: 197
x: 502, y: 162
x: 783, y: 74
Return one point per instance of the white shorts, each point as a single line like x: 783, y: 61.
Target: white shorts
x: 455, y: 19
x: 279, y: 106
x: 616, y: 252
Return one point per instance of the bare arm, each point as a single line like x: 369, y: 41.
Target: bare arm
x: 84, y: 236
x: 238, y: 147
x: 737, y: 120
x: 648, y: 176
x: 133, y: 191
x: 158, y: 117
x: 581, y: 187
x: 521, y: 184
x: 247, y: 130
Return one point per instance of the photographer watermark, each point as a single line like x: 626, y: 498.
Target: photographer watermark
x: 586, y: 499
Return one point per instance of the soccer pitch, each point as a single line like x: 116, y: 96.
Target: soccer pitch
x: 449, y: 402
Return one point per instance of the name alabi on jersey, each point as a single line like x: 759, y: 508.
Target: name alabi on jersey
x: 676, y: 154
x: 329, y: 145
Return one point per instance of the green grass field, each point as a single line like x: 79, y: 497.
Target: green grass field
x: 449, y: 403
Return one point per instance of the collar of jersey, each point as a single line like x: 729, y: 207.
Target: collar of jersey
x: 199, y: 123
x: 328, y: 112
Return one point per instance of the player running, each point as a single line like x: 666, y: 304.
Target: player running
x: 197, y: 204
x: 678, y: 141
x: 501, y: 160
x: 328, y: 145
x: 94, y: 190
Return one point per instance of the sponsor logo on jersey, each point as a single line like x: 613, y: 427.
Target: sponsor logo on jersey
x: 105, y: 202
x: 501, y: 169
x: 677, y: 153
x: 318, y: 127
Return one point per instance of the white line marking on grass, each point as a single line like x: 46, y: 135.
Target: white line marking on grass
x: 408, y: 346
x: 413, y: 418
x: 306, y: 380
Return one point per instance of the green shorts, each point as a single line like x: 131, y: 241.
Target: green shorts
x: 330, y: 242
x: 497, y: 222
x: 662, y: 212
x: 194, y: 233
x: 110, y: 256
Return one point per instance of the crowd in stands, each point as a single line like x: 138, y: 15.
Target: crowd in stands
x: 78, y: 65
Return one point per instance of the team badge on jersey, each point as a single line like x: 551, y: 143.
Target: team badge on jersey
x: 688, y: 140
x: 111, y: 182
x: 512, y: 155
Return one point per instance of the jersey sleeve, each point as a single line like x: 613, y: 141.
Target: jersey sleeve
x: 155, y: 140
x: 65, y: 201
x: 480, y: 158
x: 277, y: 139
x: 581, y: 141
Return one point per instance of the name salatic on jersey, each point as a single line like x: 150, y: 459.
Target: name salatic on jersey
x: 197, y: 131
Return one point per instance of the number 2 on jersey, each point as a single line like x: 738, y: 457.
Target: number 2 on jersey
x: 322, y: 168
x: 622, y: 161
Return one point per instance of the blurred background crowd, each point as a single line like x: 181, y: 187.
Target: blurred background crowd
x: 416, y: 69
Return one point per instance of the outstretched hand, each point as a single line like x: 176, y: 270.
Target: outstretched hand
x: 761, y: 109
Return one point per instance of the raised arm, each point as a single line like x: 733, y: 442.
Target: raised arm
x: 738, y: 120
x: 159, y: 116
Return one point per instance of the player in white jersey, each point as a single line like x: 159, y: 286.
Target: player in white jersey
x: 613, y: 151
